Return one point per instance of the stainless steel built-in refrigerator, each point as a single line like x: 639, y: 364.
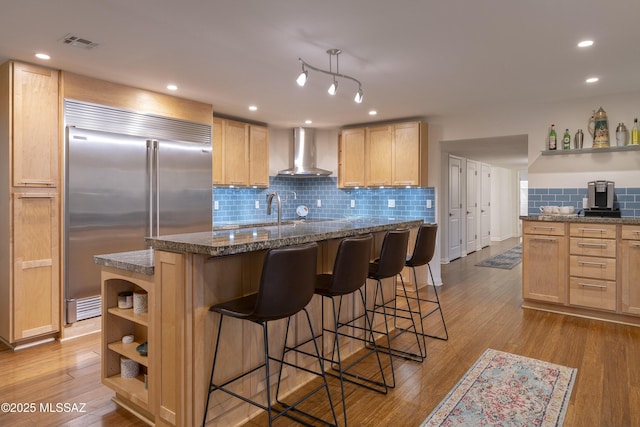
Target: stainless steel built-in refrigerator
x: 121, y: 188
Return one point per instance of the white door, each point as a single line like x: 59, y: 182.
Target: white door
x: 455, y: 208
x: 485, y: 205
x: 472, y: 206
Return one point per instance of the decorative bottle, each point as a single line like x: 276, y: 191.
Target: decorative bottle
x: 635, y: 133
x: 553, y: 138
x: 566, y: 140
x: 621, y: 135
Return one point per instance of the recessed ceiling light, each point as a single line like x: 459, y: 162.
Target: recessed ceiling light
x: 308, y: 122
x: 373, y: 112
x: 172, y: 87
x: 585, y: 43
x: 592, y: 80
x: 42, y: 56
x: 253, y: 107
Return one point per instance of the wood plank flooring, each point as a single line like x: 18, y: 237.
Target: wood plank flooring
x: 482, y: 310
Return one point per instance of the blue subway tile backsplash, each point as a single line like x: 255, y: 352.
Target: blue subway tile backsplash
x: 626, y: 199
x: 239, y: 204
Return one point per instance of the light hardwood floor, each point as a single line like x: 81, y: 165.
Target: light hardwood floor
x: 482, y: 309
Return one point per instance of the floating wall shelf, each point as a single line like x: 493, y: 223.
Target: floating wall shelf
x: 591, y: 150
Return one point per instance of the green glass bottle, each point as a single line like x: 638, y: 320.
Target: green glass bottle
x: 566, y: 140
x: 553, y: 138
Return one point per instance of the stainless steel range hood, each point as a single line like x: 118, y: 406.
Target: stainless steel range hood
x: 304, y: 153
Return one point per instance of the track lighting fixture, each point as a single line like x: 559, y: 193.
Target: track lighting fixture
x: 333, y: 89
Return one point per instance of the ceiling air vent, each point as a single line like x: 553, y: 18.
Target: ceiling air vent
x: 80, y: 42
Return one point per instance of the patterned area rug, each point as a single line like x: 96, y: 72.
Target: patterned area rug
x: 506, y: 260
x: 507, y: 390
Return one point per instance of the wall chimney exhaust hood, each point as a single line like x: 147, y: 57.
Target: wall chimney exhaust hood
x: 304, y: 153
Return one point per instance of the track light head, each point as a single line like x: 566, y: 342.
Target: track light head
x: 333, y: 88
x: 358, y: 97
x: 302, y: 78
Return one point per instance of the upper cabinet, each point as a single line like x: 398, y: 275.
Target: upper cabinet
x: 35, y: 125
x: 258, y: 156
x: 351, y: 158
x: 393, y: 155
x: 240, y: 154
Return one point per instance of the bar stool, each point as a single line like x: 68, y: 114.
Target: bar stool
x: 349, y: 274
x: 286, y: 287
x: 423, y: 252
x: 390, y: 264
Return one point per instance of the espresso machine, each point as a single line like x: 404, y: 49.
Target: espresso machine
x: 601, y: 198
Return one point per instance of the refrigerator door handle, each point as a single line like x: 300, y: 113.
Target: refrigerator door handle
x: 150, y: 183
x: 156, y: 186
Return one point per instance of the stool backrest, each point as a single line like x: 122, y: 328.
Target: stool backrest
x: 351, y: 265
x: 393, y: 254
x: 287, y: 282
x: 425, y: 245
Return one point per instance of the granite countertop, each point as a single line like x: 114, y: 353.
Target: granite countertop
x: 136, y: 261
x: 248, y: 239
x: 630, y: 220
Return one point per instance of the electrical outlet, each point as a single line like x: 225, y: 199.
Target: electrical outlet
x: 353, y: 203
x: 257, y: 204
x: 216, y: 205
x: 428, y: 204
x: 391, y: 203
x: 319, y: 203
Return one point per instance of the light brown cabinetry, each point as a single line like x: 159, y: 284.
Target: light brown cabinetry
x: 351, y: 157
x: 136, y: 394
x: 394, y: 155
x: 29, y: 220
x: 240, y: 154
x: 630, y: 269
x: 544, y: 261
x: 592, y: 266
x: 379, y: 156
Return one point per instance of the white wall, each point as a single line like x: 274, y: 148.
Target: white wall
x: 504, y: 203
x: 534, y: 119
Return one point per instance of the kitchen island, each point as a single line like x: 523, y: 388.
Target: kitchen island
x: 582, y: 266
x: 189, y: 273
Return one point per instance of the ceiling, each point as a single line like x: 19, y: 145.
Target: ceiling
x: 424, y: 58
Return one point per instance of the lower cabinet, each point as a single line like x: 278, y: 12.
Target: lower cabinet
x: 35, y: 292
x: 544, y: 262
x: 127, y: 371
x: 592, y: 266
x: 630, y: 269
x: 594, y: 271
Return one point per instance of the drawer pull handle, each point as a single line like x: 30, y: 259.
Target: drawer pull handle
x: 537, y: 227
x: 593, y: 245
x: 635, y: 245
x: 592, y: 230
x: 590, y: 263
x: 547, y: 239
x: 591, y: 285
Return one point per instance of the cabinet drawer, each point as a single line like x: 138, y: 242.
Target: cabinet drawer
x: 544, y: 227
x: 593, y: 267
x: 599, y: 294
x: 593, y: 247
x: 631, y: 232
x: 603, y: 231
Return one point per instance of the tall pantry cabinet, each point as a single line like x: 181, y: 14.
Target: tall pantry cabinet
x: 30, y: 202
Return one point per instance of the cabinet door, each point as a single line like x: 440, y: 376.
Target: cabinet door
x: 351, y: 158
x: 544, y: 268
x: 36, y: 295
x: 217, y: 157
x: 258, y: 156
x: 406, y: 154
x: 630, y: 276
x: 236, y: 153
x: 35, y: 126
x: 379, y: 155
